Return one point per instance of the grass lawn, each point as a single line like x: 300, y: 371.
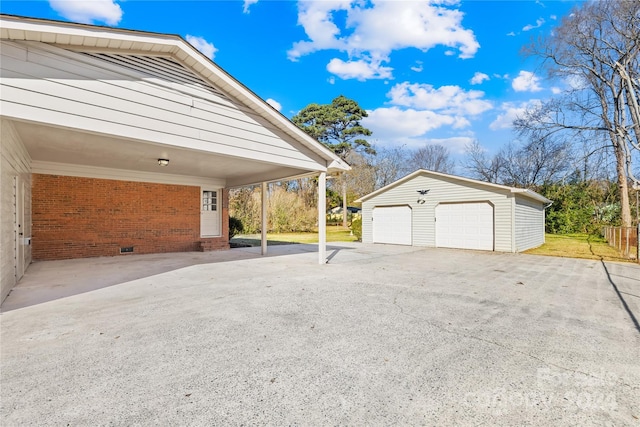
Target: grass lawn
x: 334, y: 234
x: 578, y: 246
x: 566, y: 245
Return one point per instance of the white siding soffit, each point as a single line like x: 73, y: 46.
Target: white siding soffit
x: 117, y: 44
x: 423, y: 172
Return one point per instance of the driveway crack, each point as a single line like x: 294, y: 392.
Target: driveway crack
x: 497, y: 344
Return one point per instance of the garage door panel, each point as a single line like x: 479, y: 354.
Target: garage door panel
x: 465, y: 226
x: 392, y: 225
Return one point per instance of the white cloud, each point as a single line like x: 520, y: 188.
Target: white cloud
x: 362, y: 69
x: 553, y: 17
x: 538, y: 24
x: 460, y: 122
x: 247, y: 5
x: 396, y: 123
x: 556, y: 90
x: 88, y: 11
x: 418, y: 109
x: 575, y: 81
x: 511, y: 34
x: 316, y: 19
x: 526, y: 82
x: 202, y: 45
x: 275, y: 104
x: 478, y: 78
x: 456, y: 144
x: 447, y: 99
x: 331, y: 80
x: 367, y: 31
x: 510, y: 112
x: 418, y: 67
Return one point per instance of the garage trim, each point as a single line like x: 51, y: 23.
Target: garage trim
x: 392, y: 224
x: 465, y: 225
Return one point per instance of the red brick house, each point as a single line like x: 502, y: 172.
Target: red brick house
x: 116, y: 142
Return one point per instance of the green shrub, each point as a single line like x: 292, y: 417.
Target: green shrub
x: 235, y: 227
x: 244, y: 205
x: 286, y: 211
x: 356, y: 228
x: 580, y: 207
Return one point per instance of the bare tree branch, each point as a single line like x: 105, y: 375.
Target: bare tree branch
x: 597, y: 44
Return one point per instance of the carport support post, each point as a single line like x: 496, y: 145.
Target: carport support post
x: 263, y: 225
x: 345, y: 211
x: 322, y: 218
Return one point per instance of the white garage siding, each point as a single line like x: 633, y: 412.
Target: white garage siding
x: 443, y: 189
x: 392, y: 225
x: 14, y: 162
x: 529, y: 231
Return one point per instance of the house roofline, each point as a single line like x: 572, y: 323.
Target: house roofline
x: 524, y: 192
x: 22, y: 28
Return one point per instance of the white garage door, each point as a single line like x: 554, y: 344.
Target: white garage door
x: 464, y: 226
x: 392, y: 224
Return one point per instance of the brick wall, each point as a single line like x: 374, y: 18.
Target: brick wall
x: 75, y: 217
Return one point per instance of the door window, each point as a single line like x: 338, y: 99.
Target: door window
x: 209, y: 200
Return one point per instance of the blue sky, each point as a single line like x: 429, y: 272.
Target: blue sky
x: 445, y: 71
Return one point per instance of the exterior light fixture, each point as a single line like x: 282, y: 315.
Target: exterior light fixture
x: 421, y: 199
x: 163, y: 162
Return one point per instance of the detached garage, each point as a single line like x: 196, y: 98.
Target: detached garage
x: 434, y: 209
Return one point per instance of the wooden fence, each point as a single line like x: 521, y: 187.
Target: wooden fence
x: 625, y: 239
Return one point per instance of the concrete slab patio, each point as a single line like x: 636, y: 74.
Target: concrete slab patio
x: 383, y: 335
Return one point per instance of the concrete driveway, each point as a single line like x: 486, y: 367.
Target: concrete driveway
x: 383, y: 335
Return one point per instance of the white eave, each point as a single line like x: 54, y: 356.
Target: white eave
x: 531, y: 194
x: 90, y: 37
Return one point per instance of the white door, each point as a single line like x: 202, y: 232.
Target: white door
x: 209, y: 214
x: 18, y: 193
x: 465, y: 226
x: 392, y: 224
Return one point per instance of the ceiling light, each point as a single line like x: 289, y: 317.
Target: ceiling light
x: 163, y: 162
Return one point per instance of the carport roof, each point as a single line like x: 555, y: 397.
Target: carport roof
x: 94, y: 38
x: 423, y: 172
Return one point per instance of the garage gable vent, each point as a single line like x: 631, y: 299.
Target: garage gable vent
x: 160, y: 67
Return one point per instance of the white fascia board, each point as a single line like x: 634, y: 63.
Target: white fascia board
x: 66, y: 169
x: 338, y: 165
x: 531, y: 194
x: 83, y: 35
x: 524, y: 192
x: 256, y: 180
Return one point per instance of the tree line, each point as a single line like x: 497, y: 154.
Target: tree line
x: 577, y: 149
